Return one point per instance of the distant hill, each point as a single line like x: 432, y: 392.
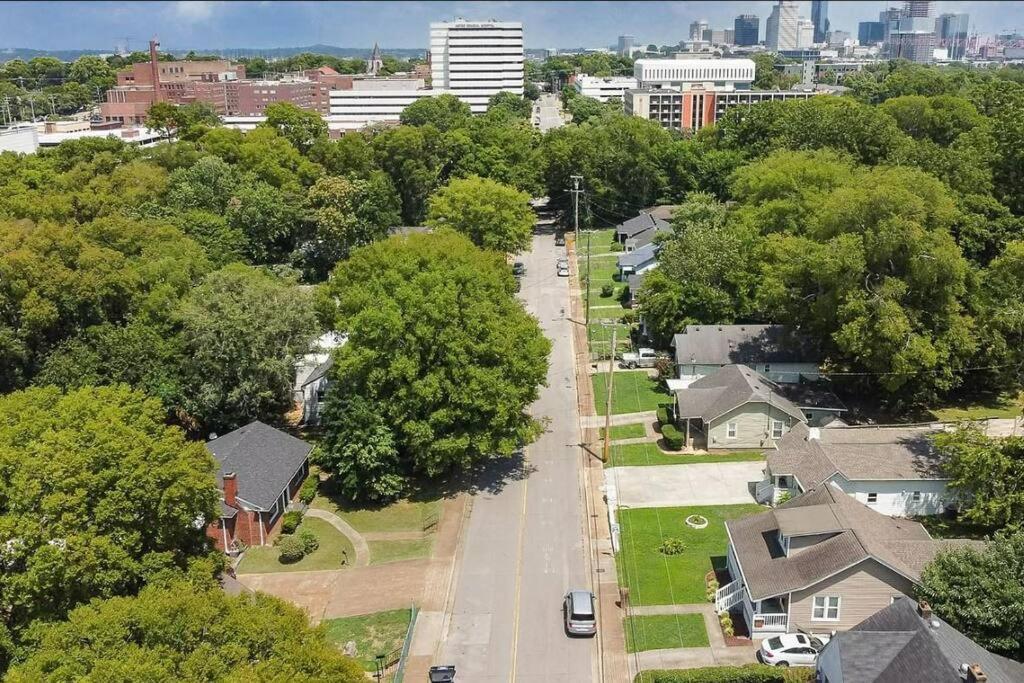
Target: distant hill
x: 7, y: 54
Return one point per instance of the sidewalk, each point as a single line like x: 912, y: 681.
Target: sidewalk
x: 593, y: 421
x: 717, y: 654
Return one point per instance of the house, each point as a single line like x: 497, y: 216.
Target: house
x: 907, y: 643
x: 634, y: 282
x: 778, y: 352
x: 737, y: 408
x: 894, y: 470
x: 635, y: 228
x: 260, y: 472
x: 821, y: 562
x: 311, y: 376
x: 638, y: 261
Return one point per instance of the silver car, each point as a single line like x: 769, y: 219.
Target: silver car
x: 579, y: 613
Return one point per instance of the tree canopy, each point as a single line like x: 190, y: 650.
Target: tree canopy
x: 492, y: 215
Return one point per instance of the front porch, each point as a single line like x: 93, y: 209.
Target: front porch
x: 763, y: 618
x: 773, y: 490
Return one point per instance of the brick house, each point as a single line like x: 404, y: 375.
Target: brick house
x: 260, y: 472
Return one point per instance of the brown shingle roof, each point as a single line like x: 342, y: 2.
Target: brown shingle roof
x: 727, y: 388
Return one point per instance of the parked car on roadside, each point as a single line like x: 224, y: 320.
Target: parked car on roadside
x: 579, y: 613
x: 519, y: 269
x: 560, y: 240
x: 641, y: 358
x: 790, y: 649
x: 563, y: 270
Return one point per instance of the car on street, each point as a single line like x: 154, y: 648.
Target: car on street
x: 790, y: 649
x: 563, y: 271
x: 641, y: 358
x: 518, y: 269
x: 560, y: 240
x: 579, y: 613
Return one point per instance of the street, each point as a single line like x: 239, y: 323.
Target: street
x: 547, y: 112
x: 525, y: 545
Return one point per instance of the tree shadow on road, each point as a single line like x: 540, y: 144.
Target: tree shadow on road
x: 490, y: 477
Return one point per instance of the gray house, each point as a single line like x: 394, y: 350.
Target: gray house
x: 634, y: 282
x: 638, y: 261
x: 637, y: 226
x: 737, y: 408
x: 778, y: 352
x: 907, y: 643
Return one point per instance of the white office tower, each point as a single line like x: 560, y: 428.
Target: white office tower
x: 781, y: 29
x: 475, y: 60
x: 804, y: 34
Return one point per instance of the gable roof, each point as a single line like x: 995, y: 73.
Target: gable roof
x: 747, y: 344
x: 662, y: 211
x: 320, y: 371
x: 639, y: 256
x: 728, y: 388
x: 896, y: 645
x: 857, y: 453
x: 856, y: 533
x: 640, y: 223
x: 263, y: 459
x: 647, y: 236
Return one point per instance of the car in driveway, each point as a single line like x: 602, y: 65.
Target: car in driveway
x: 790, y: 649
x: 579, y: 613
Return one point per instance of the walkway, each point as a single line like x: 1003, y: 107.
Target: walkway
x: 595, y: 421
x: 358, y: 542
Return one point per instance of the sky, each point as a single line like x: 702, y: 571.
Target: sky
x: 184, y: 25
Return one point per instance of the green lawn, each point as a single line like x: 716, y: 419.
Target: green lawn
x: 403, y: 515
x: 650, y: 454
x: 602, y: 334
x: 378, y: 633
x: 633, y: 392
x: 634, y: 431
x: 264, y: 559
x: 394, y: 551
x: 657, y: 579
x: 665, y: 631
x: 978, y: 408
x: 601, y: 242
x: 940, y: 526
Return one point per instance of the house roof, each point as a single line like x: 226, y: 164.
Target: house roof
x: 639, y: 256
x: 856, y: 533
x: 747, y: 344
x: 320, y: 371
x: 857, y: 453
x: 662, y: 211
x: 727, y: 388
x: 263, y: 459
x: 634, y: 281
x: 896, y: 645
x: 640, y: 223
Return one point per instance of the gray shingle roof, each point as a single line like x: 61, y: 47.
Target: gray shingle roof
x: 263, y: 459
x: 895, y: 645
x: 639, y: 224
x: 638, y: 257
x: 727, y: 388
x: 858, y: 453
x: 320, y: 371
x: 747, y: 344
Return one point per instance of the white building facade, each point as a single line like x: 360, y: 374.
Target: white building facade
x: 476, y: 60
x: 685, y: 74
x: 375, y: 100
x: 782, y: 27
x: 603, y: 89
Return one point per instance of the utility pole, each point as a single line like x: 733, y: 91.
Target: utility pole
x: 576, y: 191
x: 605, y: 453
x: 586, y: 306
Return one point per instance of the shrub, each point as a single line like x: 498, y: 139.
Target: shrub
x: 291, y: 549
x: 308, y: 490
x: 726, y: 621
x: 784, y: 497
x: 663, y: 415
x: 665, y: 366
x: 309, y: 541
x: 629, y: 317
x: 291, y: 521
x: 748, y: 673
x: 607, y: 291
x: 673, y: 437
x: 672, y: 546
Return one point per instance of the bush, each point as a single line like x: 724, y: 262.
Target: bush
x: 607, y: 291
x: 308, y: 490
x: 663, y: 415
x: 673, y: 437
x: 309, y: 541
x: 672, y: 546
x: 749, y: 673
x: 784, y: 497
x: 726, y: 621
x: 291, y: 549
x: 291, y: 521
x: 629, y: 317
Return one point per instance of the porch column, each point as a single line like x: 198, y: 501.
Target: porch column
x: 689, y: 444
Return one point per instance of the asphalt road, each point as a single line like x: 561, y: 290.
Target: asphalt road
x: 548, y: 109
x: 524, y: 547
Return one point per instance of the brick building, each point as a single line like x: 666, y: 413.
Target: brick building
x: 260, y: 472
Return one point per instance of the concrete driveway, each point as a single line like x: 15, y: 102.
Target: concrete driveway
x: 726, y: 483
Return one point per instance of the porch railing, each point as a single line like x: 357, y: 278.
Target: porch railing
x: 729, y: 595
x: 771, y: 621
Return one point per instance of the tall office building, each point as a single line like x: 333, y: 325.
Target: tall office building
x: 819, y: 15
x: 951, y: 33
x: 918, y: 8
x: 697, y: 29
x: 914, y: 37
x: 870, y: 32
x: 747, y: 28
x: 781, y: 29
x: 475, y: 60
x: 626, y: 45
x: 804, y: 33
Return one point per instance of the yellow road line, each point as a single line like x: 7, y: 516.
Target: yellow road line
x: 519, y: 578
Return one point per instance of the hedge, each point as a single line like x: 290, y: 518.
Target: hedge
x: 750, y: 673
x: 673, y: 437
x: 663, y: 415
x: 291, y: 521
x: 307, y: 492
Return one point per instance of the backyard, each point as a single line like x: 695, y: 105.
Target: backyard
x: 654, y: 578
x: 981, y: 407
x: 649, y: 454
x: 373, y: 634
x: 632, y: 392
x: 665, y: 631
x: 333, y: 549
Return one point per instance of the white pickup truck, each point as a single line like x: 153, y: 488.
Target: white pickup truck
x: 643, y: 358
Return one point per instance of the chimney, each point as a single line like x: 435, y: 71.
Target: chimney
x: 154, y: 68
x: 924, y: 609
x: 976, y: 675
x: 230, y: 489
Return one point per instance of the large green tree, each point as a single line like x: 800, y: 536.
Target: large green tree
x: 438, y: 347
x: 443, y: 112
x: 987, y: 473
x: 300, y: 127
x: 492, y: 215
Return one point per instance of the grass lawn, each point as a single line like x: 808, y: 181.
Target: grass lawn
x: 263, y: 559
x: 632, y: 392
x: 394, y: 551
x: 634, y: 431
x: 374, y: 634
x: 403, y: 515
x: 657, y: 579
x: 665, y: 631
x: 602, y: 334
x: 650, y: 454
x: 978, y: 408
x: 601, y: 242
x: 940, y: 526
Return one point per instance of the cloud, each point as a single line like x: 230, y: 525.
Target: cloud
x: 194, y: 10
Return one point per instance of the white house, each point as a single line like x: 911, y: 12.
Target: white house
x: 776, y: 351
x: 311, y: 376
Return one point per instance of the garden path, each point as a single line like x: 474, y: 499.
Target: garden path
x: 358, y: 541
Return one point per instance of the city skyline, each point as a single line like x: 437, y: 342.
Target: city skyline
x: 219, y: 25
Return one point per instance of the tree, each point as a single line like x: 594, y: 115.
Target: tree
x: 443, y: 112
x: 584, y: 109
x: 767, y: 75
x: 96, y: 495
x: 300, y: 127
x: 509, y: 104
x: 162, y: 116
x: 177, y: 631
x: 987, y: 473
x: 1008, y: 131
x: 268, y: 217
x: 438, y: 347
x: 492, y: 215
x: 208, y: 184
x: 410, y: 155
x: 242, y: 330
x: 980, y: 592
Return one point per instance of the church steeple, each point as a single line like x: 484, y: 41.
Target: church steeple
x: 374, y: 64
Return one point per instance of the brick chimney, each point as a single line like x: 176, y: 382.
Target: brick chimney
x: 230, y: 489
x: 924, y: 609
x: 154, y: 68
x: 975, y: 674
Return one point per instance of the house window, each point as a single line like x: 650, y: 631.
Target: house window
x: 783, y: 482
x: 872, y: 498
x: 730, y: 430
x: 826, y: 608
x: 777, y: 429
x: 916, y: 496
x: 767, y: 368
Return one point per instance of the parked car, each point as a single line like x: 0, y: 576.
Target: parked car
x: 519, y: 269
x: 642, y: 358
x: 790, y: 649
x: 563, y: 270
x: 560, y: 240
x: 579, y: 613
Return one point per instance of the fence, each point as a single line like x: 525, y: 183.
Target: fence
x: 406, y: 644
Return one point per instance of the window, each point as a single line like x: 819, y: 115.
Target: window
x: 777, y: 426
x: 730, y: 430
x: 826, y: 608
x: 916, y: 496
x: 767, y: 368
x: 783, y: 482
x: 872, y: 498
